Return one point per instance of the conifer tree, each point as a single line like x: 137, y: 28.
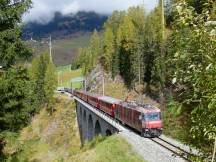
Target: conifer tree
x: 50, y: 84
x: 37, y: 72
x: 108, y: 49
x: 95, y: 48
x: 11, y: 45
x: 126, y: 40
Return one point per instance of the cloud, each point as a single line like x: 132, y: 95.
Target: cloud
x: 43, y: 11
x: 71, y: 8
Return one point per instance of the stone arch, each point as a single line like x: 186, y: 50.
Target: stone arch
x: 108, y: 132
x: 84, y: 117
x: 97, y: 128
x: 80, y: 111
x: 90, y: 128
x: 84, y: 125
x: 80, y: 124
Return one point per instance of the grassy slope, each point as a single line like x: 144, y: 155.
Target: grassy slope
x: 55, y: 138
x: 64, y: 50
x: 120, y: 91
x: 66, y: 74
x: 112, y: 149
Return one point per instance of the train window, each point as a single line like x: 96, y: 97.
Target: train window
x: 117, y: 111
x: 126, y: 112
x: 152, y: 116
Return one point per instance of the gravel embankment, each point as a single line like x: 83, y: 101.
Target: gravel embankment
x: 149, y: 150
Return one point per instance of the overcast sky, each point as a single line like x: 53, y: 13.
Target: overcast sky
x: 43, y: 10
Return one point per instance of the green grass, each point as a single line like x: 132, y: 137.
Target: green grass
x: 65, y: 74
x: 111, y: 149
x: 73, y: 43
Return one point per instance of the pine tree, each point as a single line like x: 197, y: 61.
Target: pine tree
x: 137, y: 15
x: 126, y: 40
x: 11, y: 45
x: 15, y: 99
x: 37, y: 72
x: 95, y: 48
x: 108, y: 49
x: 50, y: 84
x: 15, y: 104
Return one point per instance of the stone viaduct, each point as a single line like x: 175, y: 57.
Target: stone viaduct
x: 93, y: 122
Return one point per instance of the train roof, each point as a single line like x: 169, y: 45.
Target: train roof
x: 144, y: 108
x: 109, y: 99
x: 93, y: 95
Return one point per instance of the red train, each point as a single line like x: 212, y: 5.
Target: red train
x: 144, y: 118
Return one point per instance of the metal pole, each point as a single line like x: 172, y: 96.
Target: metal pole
x: 213, y: 157
x: 103, y: 84
x: 85, y: 84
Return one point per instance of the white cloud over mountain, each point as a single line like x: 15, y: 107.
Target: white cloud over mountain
x: 43, y: 10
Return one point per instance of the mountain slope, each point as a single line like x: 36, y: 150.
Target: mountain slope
x: 65, y: 25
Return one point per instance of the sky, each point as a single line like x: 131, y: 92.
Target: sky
x: 42, y: 11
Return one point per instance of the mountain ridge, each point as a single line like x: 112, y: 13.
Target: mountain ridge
x: 63, y: 26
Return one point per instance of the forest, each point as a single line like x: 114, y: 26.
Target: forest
x: 171, y: 55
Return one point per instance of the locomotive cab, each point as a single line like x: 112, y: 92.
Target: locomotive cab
x: 151, y: 123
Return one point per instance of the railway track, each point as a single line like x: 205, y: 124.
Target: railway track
x: 174, y: 149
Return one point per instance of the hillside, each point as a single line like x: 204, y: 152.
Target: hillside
x: 64, y: 50
x: 55, y: 138
x: 63, y: 26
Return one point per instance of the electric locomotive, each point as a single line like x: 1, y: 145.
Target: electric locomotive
x: 145, y: 118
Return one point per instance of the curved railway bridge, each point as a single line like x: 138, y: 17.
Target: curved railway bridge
x: 93, y: 122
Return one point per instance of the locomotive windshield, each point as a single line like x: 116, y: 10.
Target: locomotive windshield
x: 152, y: 116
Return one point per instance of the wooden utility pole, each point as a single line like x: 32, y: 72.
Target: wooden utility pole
x: 50, y: 48
x: 85, y: 87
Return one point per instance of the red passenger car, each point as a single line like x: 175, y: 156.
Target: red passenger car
x: 77, y: 94
x: 108, y: 105
x: 93, y: 100
x: 145, y: 118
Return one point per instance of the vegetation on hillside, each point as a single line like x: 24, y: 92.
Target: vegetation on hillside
x: 176, y: 65
x: 23, y: 91
x: 55, y: 138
